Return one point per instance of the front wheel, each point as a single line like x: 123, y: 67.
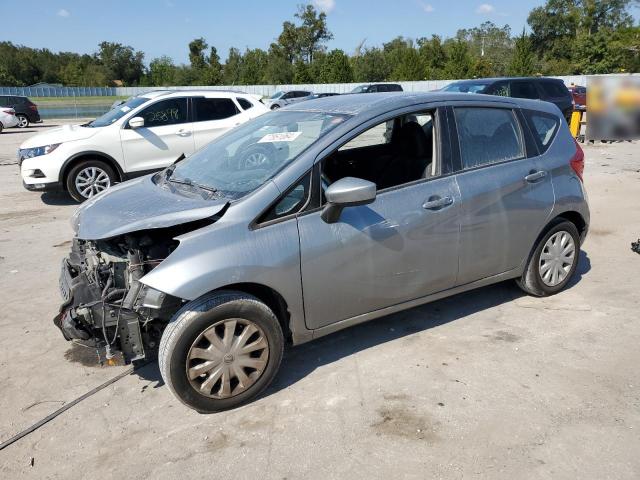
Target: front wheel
x: 88, y: 178
x: 275, y: 107
x: 23, y: 121
x: 553, y: 261
x: 220, y: 351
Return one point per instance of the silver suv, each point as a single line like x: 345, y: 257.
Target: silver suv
x: 317, y: 217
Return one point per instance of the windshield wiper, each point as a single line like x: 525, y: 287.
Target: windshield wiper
x: 169, y: 171
x: 191, y: 183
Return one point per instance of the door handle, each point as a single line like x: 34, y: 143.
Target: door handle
x: 535, y: 176
x: 183, y: 133
x: 436, y: 203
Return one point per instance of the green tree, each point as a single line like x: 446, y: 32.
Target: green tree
x: 121, y: 62
x: 252, y: 69
x: 370, y: 66
x: 313, y: 32
x: 459, y: 63
x: 197, y: 48
x: 490, y: 47
x: 232, y: 67
x: 523, y: 60
x: 336, y: 68
x: 162, y: 72
x: 433, y: 57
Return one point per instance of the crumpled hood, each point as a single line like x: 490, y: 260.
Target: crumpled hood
x: 138, y: 205
x: 66, y: 133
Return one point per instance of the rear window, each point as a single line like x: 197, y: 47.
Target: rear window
x: 544, y: 127
x: 554, y: 89
x: 487, y: 135
x: 214, y: 108
x: 524, y: 90
x: 244, y: 103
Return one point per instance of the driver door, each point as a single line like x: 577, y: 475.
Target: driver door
x: 167, y: 133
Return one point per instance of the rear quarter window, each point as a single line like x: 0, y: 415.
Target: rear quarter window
x: 487, y: 135
x: 554, y: 89
x: 244, y: 103
x: 544, y: 127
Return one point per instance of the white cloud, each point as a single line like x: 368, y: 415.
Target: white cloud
x: 325, y: 5
x: 63, y: 13
x: 485, y: 9
x: 427, y: 7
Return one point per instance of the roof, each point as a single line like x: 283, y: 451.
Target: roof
x: 486, y: 81
x: 355, y: 104
x: 182, y: 93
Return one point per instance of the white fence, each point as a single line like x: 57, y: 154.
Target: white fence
x: 264, y: 90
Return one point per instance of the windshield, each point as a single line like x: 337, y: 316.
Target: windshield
x: 465, y: 87
x: 117, y: 113
x: 276, y: 95
x: 248, y: 156
x: 359, y: 89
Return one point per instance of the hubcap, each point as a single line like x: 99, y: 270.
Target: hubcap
x: 22, y: 122
x: 557, y: 258
x: 255, y: 160
x: 227, y: 358
x: 91, y: 181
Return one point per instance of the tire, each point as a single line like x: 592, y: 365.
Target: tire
x: 103, y: 178
x: 540, y: 281
x: 275, y: 107
x: 188, y: 334
x: 23, y: 121
x: 1, y: 127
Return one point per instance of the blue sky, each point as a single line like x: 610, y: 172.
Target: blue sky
x: 165, y: 27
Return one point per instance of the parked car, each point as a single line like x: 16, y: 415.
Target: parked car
x: 360, y: 207
x: 548, y: 89
x: 579, y: 95
x: 143, y: 135
x: 322, y: 95
x: 26, y: 110
x: 282, y: 99
x: 8, y: 118
x: 378, y: 88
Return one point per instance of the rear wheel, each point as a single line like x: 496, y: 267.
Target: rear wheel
x: 553, y: 261
x: 88, y: 178
x: 23, y: 121
x: 1, y: 127
x: 220, y: 351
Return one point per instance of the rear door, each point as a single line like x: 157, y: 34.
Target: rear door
x: 214, y: 116
x: 506, y: 195
x: 524, y: 89
x: 556, y: 92
x: 167, y: 134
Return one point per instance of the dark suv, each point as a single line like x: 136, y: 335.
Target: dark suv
x: 377, y: 88
x: 26, y: 110
x: 548, y: 89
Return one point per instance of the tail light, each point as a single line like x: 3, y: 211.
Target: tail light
x: 577, y: 161
x: 33, y: 107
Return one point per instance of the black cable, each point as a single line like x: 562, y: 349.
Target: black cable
x: 66, y: 407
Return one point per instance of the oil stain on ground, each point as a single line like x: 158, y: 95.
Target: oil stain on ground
x: 502, y: 336
x: 399, y: 421
x: 90, y: 356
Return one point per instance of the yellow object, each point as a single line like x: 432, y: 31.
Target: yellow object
x: 574, y: 126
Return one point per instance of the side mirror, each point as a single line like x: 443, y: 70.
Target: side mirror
x: 347, y: 192
x: 136, y: 122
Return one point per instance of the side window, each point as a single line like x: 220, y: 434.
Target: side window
x: 214, y: 109
x: 487, y: 135
x: 3, y: 102
x: 244, y: 103
x: 293, y: 201
x: 544, y: 127
x: 554, y: 89
x: 165, y: 112
x: 392, y: 153
x: 500, y: 89
x: 287, y: 96
x: 524, y: 90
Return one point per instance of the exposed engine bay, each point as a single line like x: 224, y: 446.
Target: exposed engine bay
x: 104, y: 302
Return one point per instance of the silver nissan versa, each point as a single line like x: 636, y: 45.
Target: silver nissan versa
x: 317, y: 217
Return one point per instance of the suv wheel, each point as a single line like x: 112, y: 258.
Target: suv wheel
x: 275, y: 107
x: 553, y: 261
x: 220, y: 350
x: 23, y: 121
x: 88, y: 178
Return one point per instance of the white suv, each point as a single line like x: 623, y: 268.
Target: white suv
x: 144, y: 134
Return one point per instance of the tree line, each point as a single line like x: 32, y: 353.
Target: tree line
x: 566, y: 37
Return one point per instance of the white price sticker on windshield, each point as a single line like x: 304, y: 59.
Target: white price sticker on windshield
x: 280, y: 137
x: 125, y: 109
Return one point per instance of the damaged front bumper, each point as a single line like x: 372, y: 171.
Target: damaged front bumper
x: 103, y: 300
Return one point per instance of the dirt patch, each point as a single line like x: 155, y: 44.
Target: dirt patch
x: 600, y: 232
x: 402, y: 422
x: 91, y: 357
x: 502, y: 336
x: 395, y: 396
x: 21, y: 214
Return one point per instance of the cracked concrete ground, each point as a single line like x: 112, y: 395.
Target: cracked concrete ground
x: 488, y: 384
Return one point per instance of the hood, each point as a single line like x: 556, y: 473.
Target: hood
x: 137, y: 205
x: 65, y: 133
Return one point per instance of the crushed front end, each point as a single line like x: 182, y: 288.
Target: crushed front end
x: 104, y: 302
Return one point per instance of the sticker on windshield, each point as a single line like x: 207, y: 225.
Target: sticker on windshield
x: 125, y: 109
x: 280, y: 137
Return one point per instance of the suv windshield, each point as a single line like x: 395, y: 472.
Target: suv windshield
x: 465, y: 87
x: 359, y: 89
x: 276, y: 95
x: 248, y: 156
x: 117, y: 113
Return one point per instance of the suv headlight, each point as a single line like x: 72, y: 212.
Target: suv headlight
x: 37, y: 151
